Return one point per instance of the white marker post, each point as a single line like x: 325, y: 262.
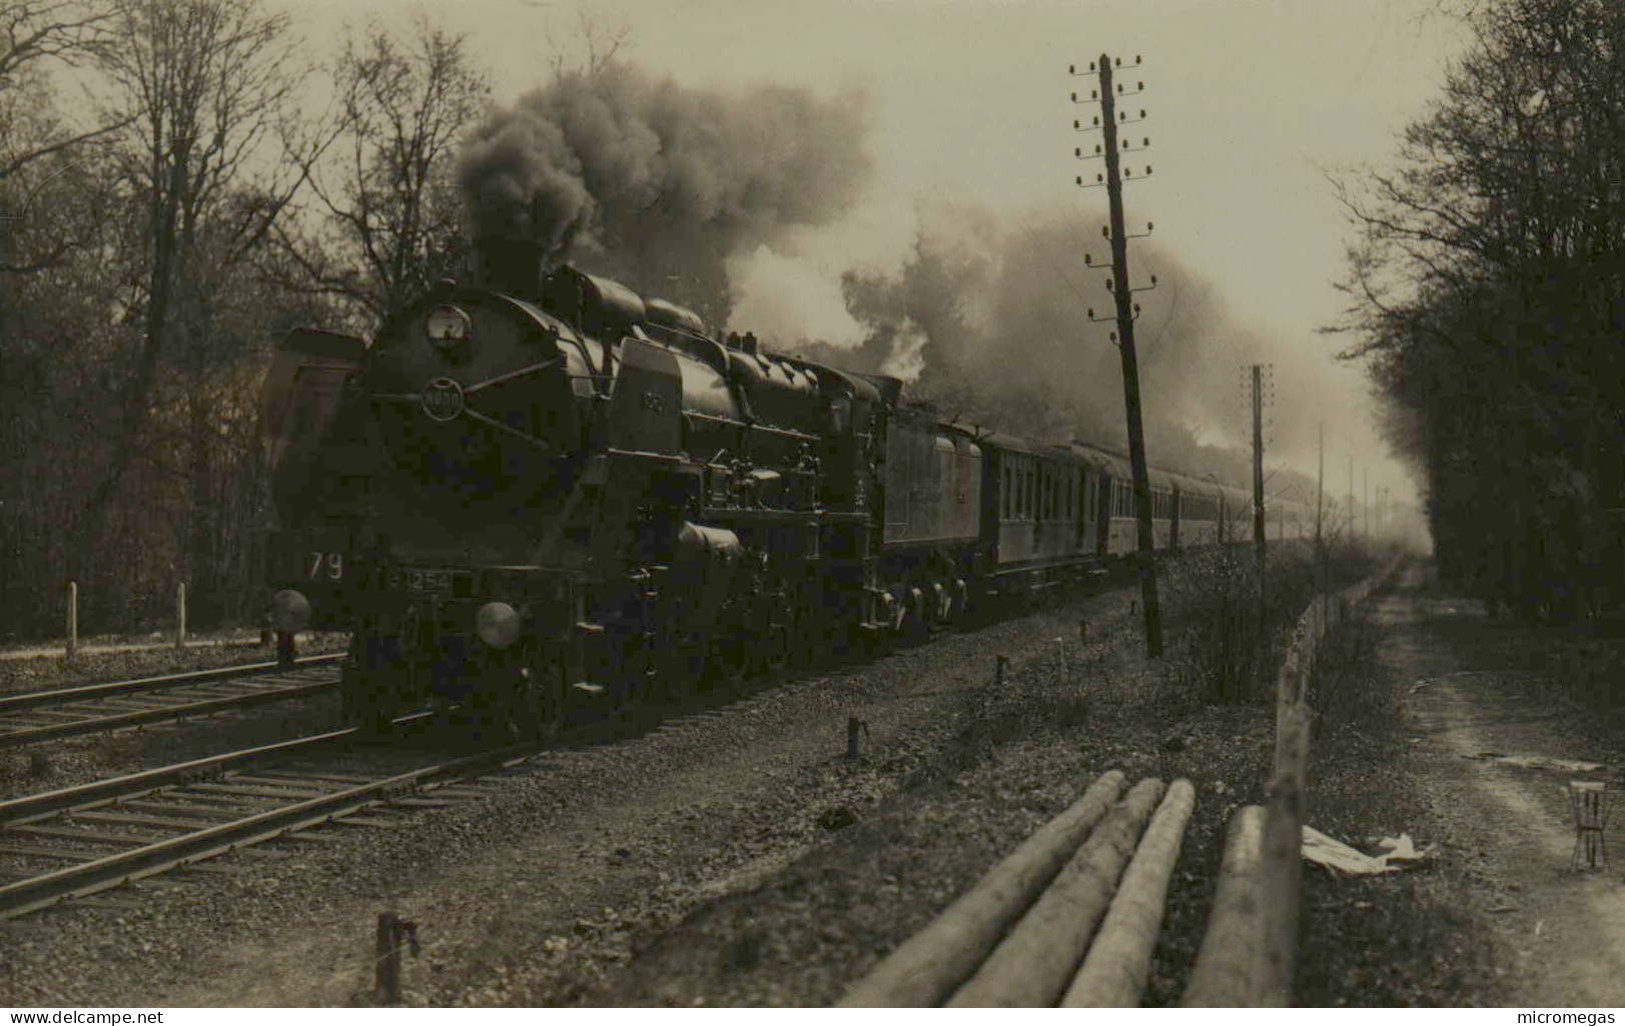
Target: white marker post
x: 180, y: 615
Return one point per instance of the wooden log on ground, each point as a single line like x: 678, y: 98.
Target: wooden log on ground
x: 1118, y: 965
x: 1227, y: 965
x: 1031, y: 967
x: 929, y: 965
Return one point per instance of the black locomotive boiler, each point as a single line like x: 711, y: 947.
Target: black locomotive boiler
x: 548, y: 491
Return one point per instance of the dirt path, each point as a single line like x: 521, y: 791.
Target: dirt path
x: 1476, y: 698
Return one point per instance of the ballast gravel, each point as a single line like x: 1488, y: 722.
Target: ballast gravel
x: 732, y: 855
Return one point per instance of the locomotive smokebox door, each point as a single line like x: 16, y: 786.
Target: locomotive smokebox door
x: 646, y: 410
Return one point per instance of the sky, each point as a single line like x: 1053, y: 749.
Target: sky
x: 1250, y: 103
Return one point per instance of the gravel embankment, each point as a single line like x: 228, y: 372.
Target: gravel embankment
x: 731, y: 856
x: 554, y: 876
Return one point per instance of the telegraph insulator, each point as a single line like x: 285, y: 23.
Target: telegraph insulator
x: 1148, y: 169
x: 1139, y: 85
x: 1091, y: 65
x: 1153, y: 279
x: 1146, y: 141
x: 1149, y: 226
x: 1076, y: 124
x: 1087, y: 260
x: 1136, y: 309
x: 1142, y: 113
x: 1074, y: 97
x: 1119, y: 62
x: 1091, y: 311
x: 1080, y: 179
x: 1077, y: 151
x: 1105, y: 232
x: 1136, y: 58
x: 1094, y: 94
x: 1071, y: 69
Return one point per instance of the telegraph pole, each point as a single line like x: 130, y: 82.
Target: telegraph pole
x: 1259, y: 530
x: 1126, y: 311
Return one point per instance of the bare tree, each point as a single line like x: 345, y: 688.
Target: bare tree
x: 597, y: 44
x: 37, y: 36
x: 392, y: 211
x: 202, y: 84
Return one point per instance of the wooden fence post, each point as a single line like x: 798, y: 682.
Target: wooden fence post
x: 73, y: 623
x: 180, y: 615
x: 1283, y: 859
x: 856, y: 731
x: 392, y: 933
x: 386, y: 968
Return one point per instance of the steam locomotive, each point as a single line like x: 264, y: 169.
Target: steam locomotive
x: 547, y: 492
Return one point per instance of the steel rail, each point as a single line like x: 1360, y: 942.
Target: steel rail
x: 203, y: 707
x: 84, y: 692
x: 48, y: 803
x: 74, y: 881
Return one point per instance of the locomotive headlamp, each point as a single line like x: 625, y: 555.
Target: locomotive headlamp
x: 498, y: 624
x: 290, y: 611
x: 448, y: 326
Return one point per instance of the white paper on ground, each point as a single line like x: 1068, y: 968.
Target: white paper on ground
x: 1340, y: 858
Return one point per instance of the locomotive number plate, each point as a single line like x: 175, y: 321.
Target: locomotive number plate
x: 414, y: 579
x: 325, y: 566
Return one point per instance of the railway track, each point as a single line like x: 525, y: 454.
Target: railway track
x: 78, y: 841
x: 97, y: 708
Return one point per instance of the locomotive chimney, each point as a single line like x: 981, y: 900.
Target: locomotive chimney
x: 512, y: 265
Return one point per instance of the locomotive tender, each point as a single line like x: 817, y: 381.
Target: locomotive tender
x: 548, y: 491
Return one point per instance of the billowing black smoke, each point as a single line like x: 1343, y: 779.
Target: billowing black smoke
x: 988, y: 318
x: 658, y: 184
